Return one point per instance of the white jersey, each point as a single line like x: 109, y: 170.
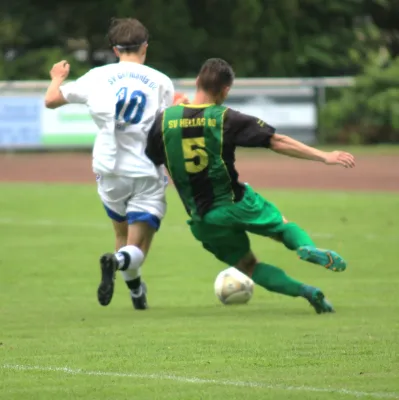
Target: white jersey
x: 123, y: 99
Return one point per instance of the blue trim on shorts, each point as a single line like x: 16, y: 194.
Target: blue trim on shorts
x: 136, y: 216
x: 113, y: 215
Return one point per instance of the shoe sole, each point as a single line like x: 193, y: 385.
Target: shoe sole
x: 326, y: 258
x: 105, y: 290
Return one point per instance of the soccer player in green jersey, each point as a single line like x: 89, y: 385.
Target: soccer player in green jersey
x: 197, y: 142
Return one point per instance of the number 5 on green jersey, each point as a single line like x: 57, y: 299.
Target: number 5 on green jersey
x: 195, y: 157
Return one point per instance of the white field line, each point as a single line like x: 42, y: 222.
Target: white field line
x: 99, y: 225
x: 183, y: 379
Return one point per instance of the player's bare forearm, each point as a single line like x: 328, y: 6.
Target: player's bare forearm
x: 290, y: 147
x: 54, y: 97
x: 58, y: 74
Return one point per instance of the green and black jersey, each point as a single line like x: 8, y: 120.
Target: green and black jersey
x: 197, y: 144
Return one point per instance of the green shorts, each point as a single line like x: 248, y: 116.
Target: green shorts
x: 223, y: 230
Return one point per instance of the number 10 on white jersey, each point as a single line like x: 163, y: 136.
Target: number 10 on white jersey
x: 129, y: 109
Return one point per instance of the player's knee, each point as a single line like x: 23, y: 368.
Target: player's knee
x: 247, y: 264
x: 278, y: 237
x: 141, y: 231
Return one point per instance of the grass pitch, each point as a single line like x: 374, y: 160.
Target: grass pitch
x: 56, y: 342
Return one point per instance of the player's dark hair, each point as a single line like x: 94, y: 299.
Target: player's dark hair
x: 215, y: 75
x: 127, y: 34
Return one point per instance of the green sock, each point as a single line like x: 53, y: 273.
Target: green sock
x: 275, y: 280
x: 294, y: 237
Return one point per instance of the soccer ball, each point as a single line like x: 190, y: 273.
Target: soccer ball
x: 233, y: 287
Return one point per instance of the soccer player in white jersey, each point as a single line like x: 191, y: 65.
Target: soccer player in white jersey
x: 123, y: 99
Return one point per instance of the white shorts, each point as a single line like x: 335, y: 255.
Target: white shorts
x: 133, y: 199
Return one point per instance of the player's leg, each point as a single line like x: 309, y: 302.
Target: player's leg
x: 130, y: 258
x: 114, y: 191
x: 121, y: 231
x: 232, y: 247
x: 274, y: 279
x: 295, y: 238
x: 145, y: 209
x: 132, y: 277
x: 109, y: 263
x: 264, y: 218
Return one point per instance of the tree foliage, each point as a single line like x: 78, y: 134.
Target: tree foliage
x: 259, y: 37
x: 369, y: 112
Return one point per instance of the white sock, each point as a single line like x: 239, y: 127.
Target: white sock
x: 131, y: 274
x: 129, y: 257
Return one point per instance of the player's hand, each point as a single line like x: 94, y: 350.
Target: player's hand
x: 180, y: 98
x: 60, y: 70
x: 343, y: 158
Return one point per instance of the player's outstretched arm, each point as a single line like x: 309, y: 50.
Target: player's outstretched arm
x: 290, y: 147
x: 54, y: 98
